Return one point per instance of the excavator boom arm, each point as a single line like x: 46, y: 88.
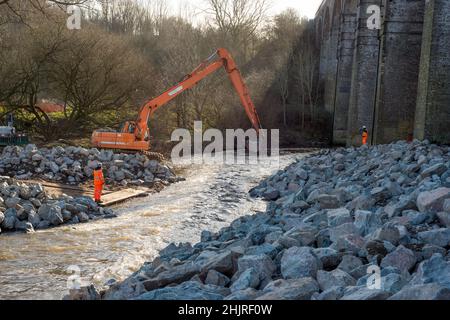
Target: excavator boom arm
x: 220, y: 59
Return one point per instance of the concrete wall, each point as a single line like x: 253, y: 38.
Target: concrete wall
x: 371, y: 77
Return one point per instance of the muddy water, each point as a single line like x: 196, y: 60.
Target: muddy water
x: 40, y: 265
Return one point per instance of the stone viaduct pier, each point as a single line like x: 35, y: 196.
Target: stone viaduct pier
x: 392, y: 76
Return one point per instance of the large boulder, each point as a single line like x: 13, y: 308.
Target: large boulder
x: 51, y: 213
x: 336, y: 217
x: 433, y: 201
x: 261, y: 264
x: 437, y: 237
x: 248, y: 279
x: 329, y: 257
x: 175, y: 275
x: 335, y: 278
x: 299, y: 262
x: 367, y: 222
x: 402, y: 259
x: 434, y: 270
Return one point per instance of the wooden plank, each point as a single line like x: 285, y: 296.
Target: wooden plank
x: 121, y: 196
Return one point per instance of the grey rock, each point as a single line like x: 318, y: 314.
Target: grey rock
x: 271, y: 194
x: 337, y: 217
x: 191, y: 290
x: 329, y: 258
x: 393, y: 282
x: 24, y: 226
x: 402, y: 258
x: 262, y: 264
x: 433, y: 201
x: 248, y: 279
x: 446, y: 206
x: 9, y: 222
x: 434, y: 270
x: 444, y: 218
x: 217, y: 279
x: 294, y: 289
x: 388, y: 232
x: 82, y: 217
x: 349, y: 243
x: 299, y: 262
x: 175, y: 275
x: 327, y: 201
x: 437, y: 169
x: 430, y: 291
x: 335, y: 278
x: 12, y: 202
x: 332, y: 294
x: 266, y: 248
x: 51, y: 213
x: 349, y: 263
x: 438, y: 237
x: 429, y: 250
x: 367, y: 222
x: 342, y: 231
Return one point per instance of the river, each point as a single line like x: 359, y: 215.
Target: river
x: 39, y: 265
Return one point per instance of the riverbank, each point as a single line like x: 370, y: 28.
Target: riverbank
x: 39, y: 265
x: 27, y: 205
x: 334, y: 221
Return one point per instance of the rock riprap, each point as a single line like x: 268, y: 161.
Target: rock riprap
x: 75, y: 165
x: 334, y: 221
x: 27, y: 207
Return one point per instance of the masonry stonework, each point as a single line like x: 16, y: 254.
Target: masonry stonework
x: 394, y: 80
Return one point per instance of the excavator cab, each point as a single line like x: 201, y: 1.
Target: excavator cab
x: 128, y: 127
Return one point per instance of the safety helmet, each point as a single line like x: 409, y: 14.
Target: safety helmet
x: 99, y: 166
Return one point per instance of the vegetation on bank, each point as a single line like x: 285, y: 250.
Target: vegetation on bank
x: 127, y: 52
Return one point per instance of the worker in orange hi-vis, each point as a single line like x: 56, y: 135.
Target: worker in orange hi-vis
x: 364, y: 135
x: 99, y: 182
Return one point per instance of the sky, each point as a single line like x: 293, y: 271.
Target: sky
x: 304, y: 7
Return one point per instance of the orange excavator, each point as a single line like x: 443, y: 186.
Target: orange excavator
x: 135, y: 135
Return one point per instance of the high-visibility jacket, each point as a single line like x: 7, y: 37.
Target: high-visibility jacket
x: 99, y: 179
x: 365, y: 136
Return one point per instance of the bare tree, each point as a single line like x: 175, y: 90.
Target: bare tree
x: 306, y: 75
x: 239, y: 20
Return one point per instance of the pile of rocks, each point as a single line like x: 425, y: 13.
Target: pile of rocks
x: 74, y: 165
x: 26, y: 207
x: 350, y: 224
